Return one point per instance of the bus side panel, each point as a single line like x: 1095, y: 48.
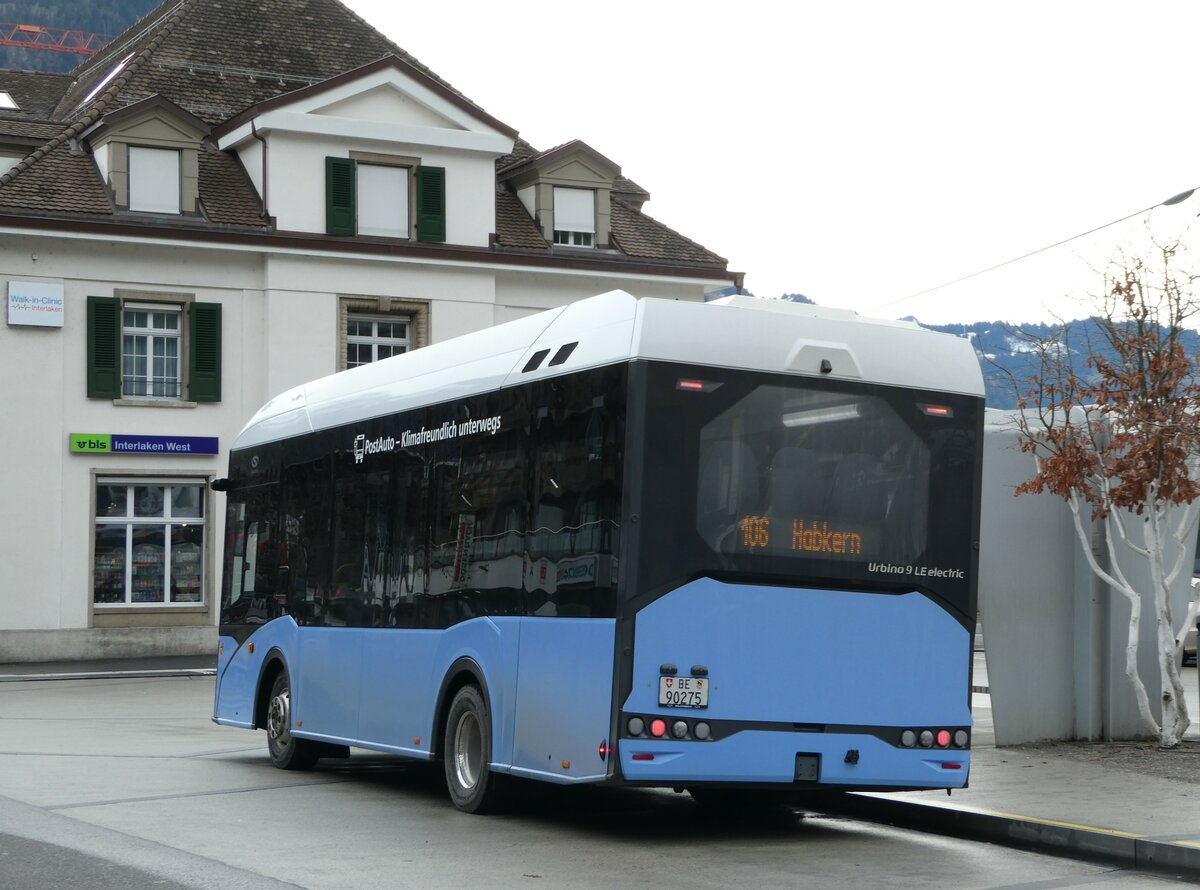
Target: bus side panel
x: 397, y: 674
x: 325, y: 678
x: 237, y: 680
x: 492, y: 643
x: 564, y: 698
x: 802, y: 657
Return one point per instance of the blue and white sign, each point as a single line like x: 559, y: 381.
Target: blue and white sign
x: 163, y: 444
x: 120, y: 443
x: 36, y: 303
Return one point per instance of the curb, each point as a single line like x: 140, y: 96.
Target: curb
x: 1065, y: 839
x: 110, y: 675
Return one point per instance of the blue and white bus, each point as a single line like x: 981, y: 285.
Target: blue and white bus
x: 722, y: 547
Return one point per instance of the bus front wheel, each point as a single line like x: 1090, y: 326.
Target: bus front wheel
x: 467, y: 746
x: 287, y: 751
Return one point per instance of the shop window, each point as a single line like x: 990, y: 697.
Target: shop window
x: 149, y: 543
x: 153, y: 350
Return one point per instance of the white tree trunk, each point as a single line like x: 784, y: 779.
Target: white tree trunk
x: 1116, y: 579
x: 1174, y: 707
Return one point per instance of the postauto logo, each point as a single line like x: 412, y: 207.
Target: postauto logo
x: 364, y: 446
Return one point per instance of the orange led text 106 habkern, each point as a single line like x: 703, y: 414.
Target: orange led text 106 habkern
x: 813, y: 538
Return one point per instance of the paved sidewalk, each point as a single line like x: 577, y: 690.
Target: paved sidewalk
x: 168, y: 666
x: 1023, y: 799
x: 1055, y: 804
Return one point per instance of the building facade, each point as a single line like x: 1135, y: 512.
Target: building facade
x: 193, y: 222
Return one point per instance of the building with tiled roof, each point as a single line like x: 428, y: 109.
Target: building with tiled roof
x: 229, y: 199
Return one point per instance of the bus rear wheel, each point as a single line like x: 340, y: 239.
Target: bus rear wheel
x: 287, y: 751
x: 467, y: 747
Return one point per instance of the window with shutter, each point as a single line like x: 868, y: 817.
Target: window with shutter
x: 574, y: 217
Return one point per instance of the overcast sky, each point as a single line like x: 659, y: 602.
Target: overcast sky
x: 857, y: 152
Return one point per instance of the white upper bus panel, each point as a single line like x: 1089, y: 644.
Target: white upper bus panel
x: 736, y: 332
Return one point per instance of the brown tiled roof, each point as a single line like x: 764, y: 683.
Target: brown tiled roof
x: 639, y: 235
x: 42, y: 130
x: 515, y: 228
x: 226, y: 55
x: 226, y: 193
x: 35, y: 92
x: 62, y: 181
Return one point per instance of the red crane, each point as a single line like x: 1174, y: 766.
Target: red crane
x: 55, y: 40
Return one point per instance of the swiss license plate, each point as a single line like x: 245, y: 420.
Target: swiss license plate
x: 683, y: 692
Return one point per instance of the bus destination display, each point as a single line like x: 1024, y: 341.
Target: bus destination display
x: 811, y: 536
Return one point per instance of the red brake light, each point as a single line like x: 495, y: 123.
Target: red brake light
x: 938, y: 410
x: 603, y: 750
x: 658, y: 728
x: 696, y: 385
x: 943, y: 738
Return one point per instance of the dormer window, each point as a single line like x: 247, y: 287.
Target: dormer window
x: 154, y: 180
x: 368, y: 194
x: 383, y: 200
x: 574, y: 217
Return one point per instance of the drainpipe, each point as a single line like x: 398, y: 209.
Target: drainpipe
x: 255, y: 134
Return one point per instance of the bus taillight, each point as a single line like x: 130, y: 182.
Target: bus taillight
x: 943, y: 738
x: 603, y: 750
x: 658, y: 728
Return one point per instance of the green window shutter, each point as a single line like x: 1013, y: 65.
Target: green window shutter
x: 103, y: 348
x: 341, y: 217
x: 204, y: 352
x: 431, y: 203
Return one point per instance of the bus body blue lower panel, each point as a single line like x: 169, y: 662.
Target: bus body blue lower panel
x: 548, y: 683
x: 802, y: 658
x: 564, y: 698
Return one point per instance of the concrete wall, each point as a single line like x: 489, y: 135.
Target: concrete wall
x: 1055, y: 634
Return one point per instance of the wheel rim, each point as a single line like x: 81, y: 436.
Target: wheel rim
x: 468, y: 750
x: 279, y: 719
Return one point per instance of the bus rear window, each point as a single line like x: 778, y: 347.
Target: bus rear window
x: 791, y: 472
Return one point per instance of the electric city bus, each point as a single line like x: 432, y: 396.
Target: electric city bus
x: 728, y: 547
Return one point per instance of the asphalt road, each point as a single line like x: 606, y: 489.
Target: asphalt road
x: 126, y: 783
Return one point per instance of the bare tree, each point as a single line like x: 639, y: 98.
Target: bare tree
x: 1121, y: 438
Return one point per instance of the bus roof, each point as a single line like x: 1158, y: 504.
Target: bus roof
x: 735, y: 332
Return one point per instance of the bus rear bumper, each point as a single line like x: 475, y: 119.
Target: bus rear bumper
x: 803, y: 760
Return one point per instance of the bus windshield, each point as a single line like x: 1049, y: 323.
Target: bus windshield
x: 791, y: 477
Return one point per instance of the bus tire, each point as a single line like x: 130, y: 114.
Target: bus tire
x: 287, y: 751
x: 467, y: 747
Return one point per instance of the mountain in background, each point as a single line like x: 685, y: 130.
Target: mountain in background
x: 108, y: 17
x: 1006, y: 351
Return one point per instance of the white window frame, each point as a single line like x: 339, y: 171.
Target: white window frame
x: 373, y: 340
x: 129, y: 521
x: 155, y: 184
x: 574, y: 217
x: 155, y: 383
